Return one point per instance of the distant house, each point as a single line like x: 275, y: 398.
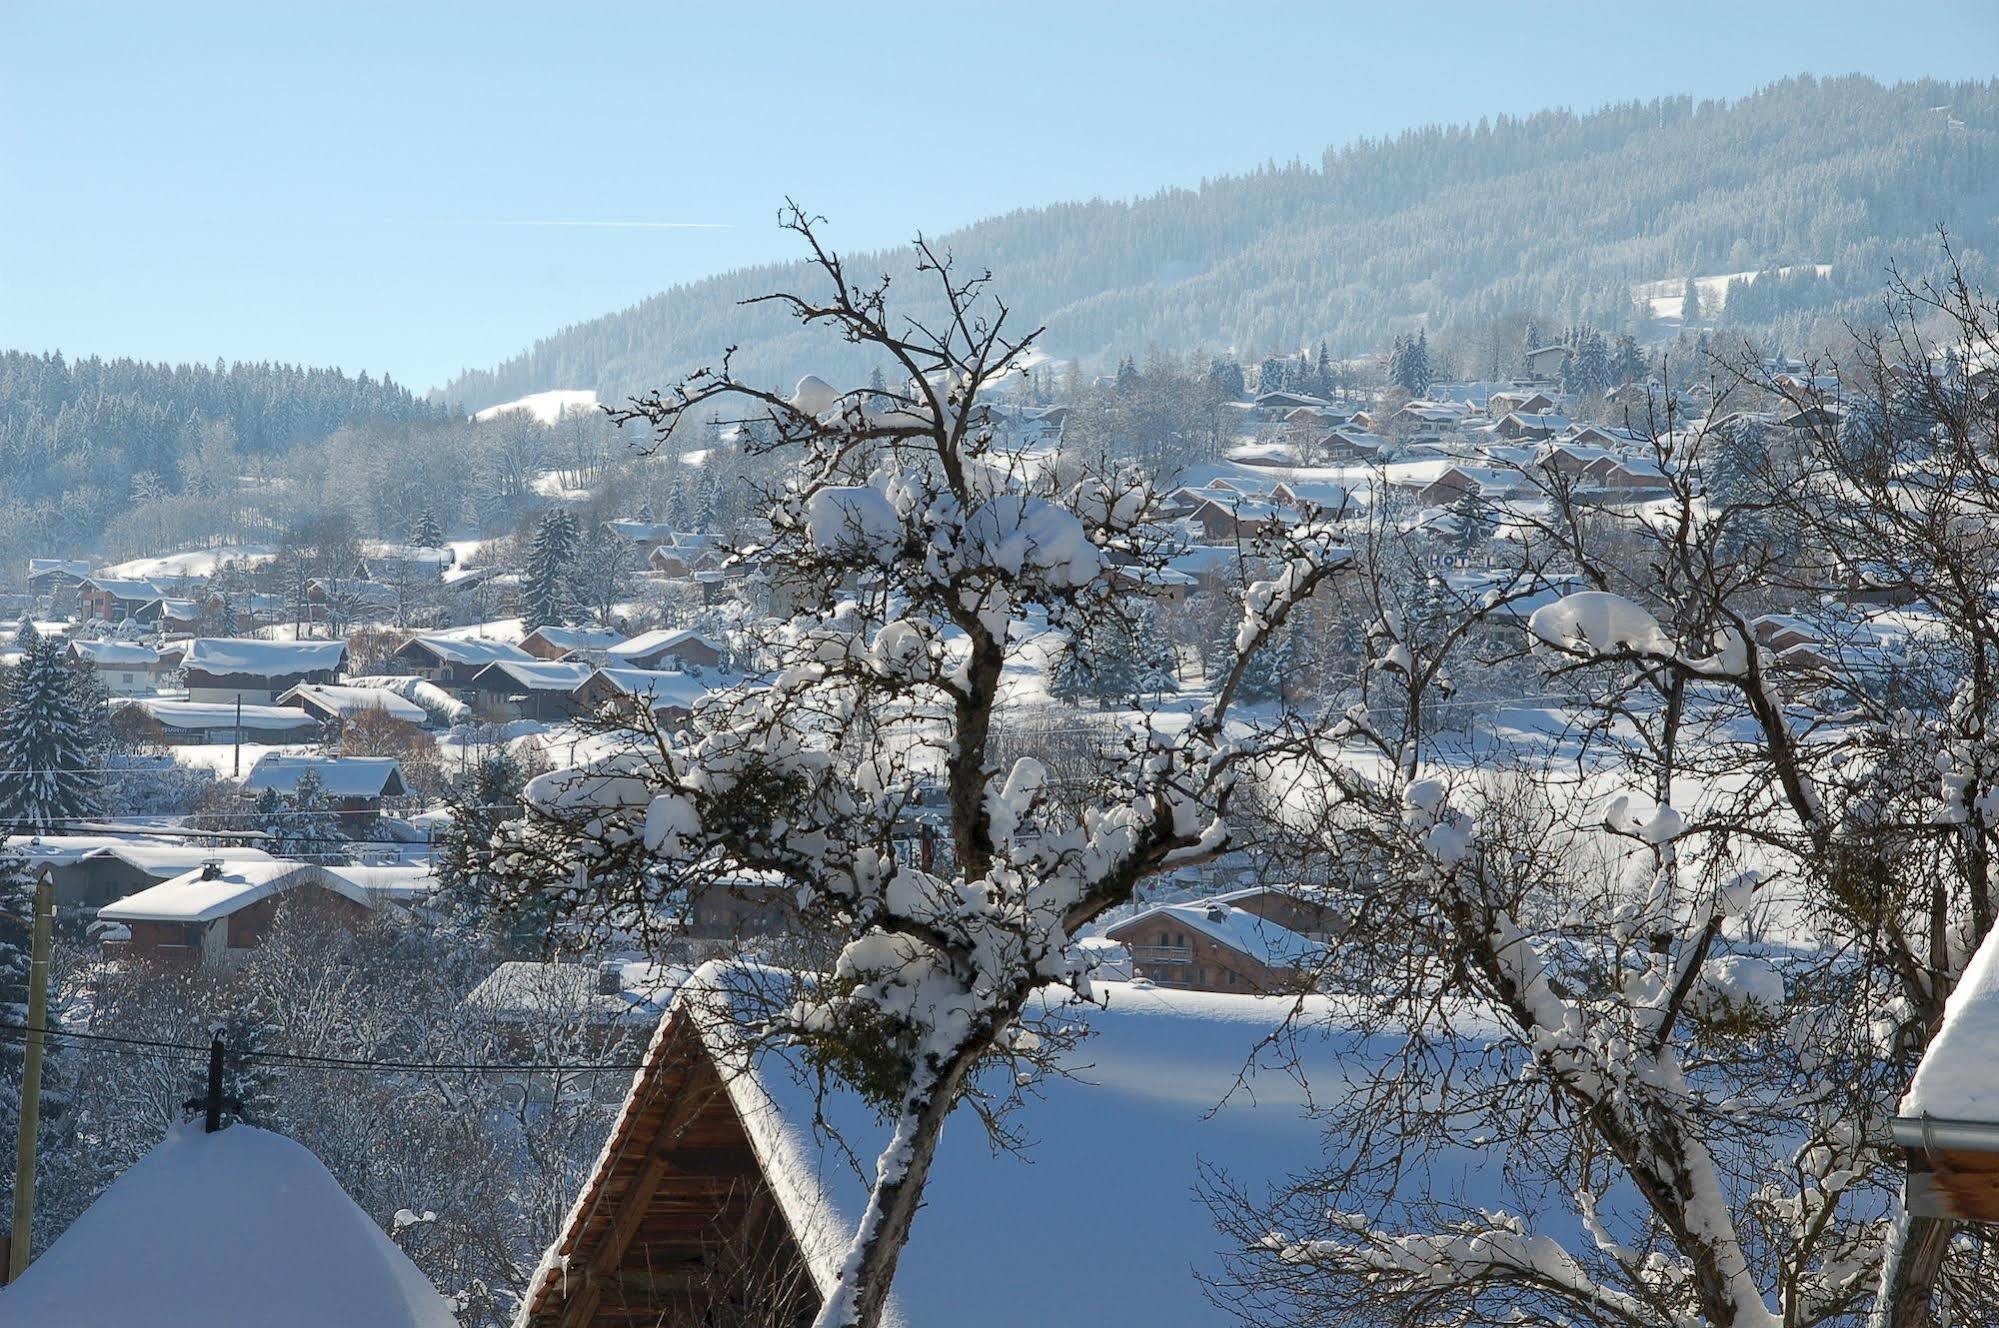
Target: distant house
x: 89, y: 871
x: 1212, y: 945
x: 212, y: 916
x: 1310, y: 913
x: 1352, y: 447
x: 1519, y: 426
x: 668, y: 648
x: 1949, y: 1119
x: 610, y: 1000
x: 1545, y: 362
x: 686, y: 556
x: 1781, y: 631
x: 671, y: 696
x: 237, y: 668
x: 528, y: 688
x: 643, y: 535
x: 1525, y: 402
x: 336, y: 703
x: 114, y: 599
x: 126, y: 668
x: 570, y: 642
x: 220, y: 721
x: 52, y: 578
x: 452, y: 662
x: 353, y: 786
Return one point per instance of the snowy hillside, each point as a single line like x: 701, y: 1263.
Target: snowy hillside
x: 547, y: 407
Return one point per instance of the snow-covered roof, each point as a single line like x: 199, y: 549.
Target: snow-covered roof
x: 226, y: 714
x: 1268, y: 943
x: 578, y: 638
x: 665, y: 638
x: 348, y: 700
x: 339, y: 776
x: 523, y: 990
x: 121, y: 587
x: 263, y: 659
x: 167, y: 861
x: 41, y: 567
x: 534, y: 675
x: 115, y: 654
x: 1956, y: 1080
x: 238, y: 1227
x: 205, y: 894
x: 1150, y: 1101
x: 663, y: 688
x: 465, y: 649
x: 401, y: 882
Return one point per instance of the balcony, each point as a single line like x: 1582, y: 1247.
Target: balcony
x: 1162, y: 954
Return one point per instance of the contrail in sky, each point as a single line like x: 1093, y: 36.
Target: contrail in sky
x: 574, y: 223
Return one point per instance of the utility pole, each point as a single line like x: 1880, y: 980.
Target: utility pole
x: 237, y: 772
x: 211, y: 1104
x: 21, y: 1239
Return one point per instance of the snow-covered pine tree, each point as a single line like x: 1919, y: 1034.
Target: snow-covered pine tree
x: 52, y: 727
x: 546, y: 598
x: 1690, y: 304
x: 425, y: 532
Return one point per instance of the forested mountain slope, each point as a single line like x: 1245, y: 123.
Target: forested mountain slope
x: 1557, y: 214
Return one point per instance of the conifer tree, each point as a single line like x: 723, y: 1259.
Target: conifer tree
x: 1690, y: 304
x: 425, y: 532
x: 546, y: 597
x: 52, y: 726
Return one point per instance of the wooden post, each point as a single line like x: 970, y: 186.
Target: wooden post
x: 238, y: 772
x: 21, y: 1239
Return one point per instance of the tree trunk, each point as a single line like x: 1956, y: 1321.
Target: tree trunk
x: 1908, y: 1283
x: 866, y: 1273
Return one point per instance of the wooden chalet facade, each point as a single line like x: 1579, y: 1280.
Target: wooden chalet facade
x: 676, y: 1227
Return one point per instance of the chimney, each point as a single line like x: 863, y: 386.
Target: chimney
x: 211, y: 870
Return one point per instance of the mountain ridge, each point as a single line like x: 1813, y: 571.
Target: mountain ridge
x: 1559, y: 214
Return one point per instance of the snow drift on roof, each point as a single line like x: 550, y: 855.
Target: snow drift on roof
x: 263, y: 659
x: 339, y: 776
x: 1955, y: 1080
x: 239, y: 1227
x: 197, y: 896
x: 466, y: 649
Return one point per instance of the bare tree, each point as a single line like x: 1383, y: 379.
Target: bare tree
x: 921, y: 553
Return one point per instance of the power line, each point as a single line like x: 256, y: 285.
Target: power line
x: 297, y: 1060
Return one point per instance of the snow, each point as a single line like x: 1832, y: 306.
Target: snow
x: 340, y: 776
x: 1018, y: 534
x: 242, y: 1228
x: 853, y: 521
x: 467, y: 649
x: 578, y: 639
x: 546, y: 407
x: 1738, y: 983
x: 1956, y: 1080
x: 264, y: 719
x: 196, y: 563
x: 1102, y: 1208
x: 1270, y: 944
x: 666, y: 640
x: 536, y: 675
x: 1664, y: 297
x: 1596, y: 621
x: 350, y: 700
x: 198, y: 896
x: 263, y: 659
x: 532, y: 991
x: 663, y: 688
x: 426, y: 695
x: 115, y: 654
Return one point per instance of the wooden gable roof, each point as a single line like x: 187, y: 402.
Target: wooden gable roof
x: 676, y: 1225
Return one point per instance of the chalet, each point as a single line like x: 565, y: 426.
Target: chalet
x: 1211, y: 945
x: 588, y: 643
x: 685, y: 559
x: 715, y: 1190
x: 1545, y: 362
x: 1949, y: 1119
x: 1521, y: 402
x: 1167, y: 585
x: 126, y: 668
x: 671, y: 696
x: 53, y: 578
x: 528, y: 688
x: 115, y: 599
x: 1517, y: 426
x: 89, y: 871
x: 608, y: 1001
x: 1315, y: 914
x: 452, y: 662
x: 232, y: 1226
x: 1352, y: 447
x: 213, y: 915
x: 180, y: 615
x: 1456, y: 482
x: 1276, y: 405
x: 1227, y: 518
x: 1781, y: 631
x: 256, y: 672
x: 1626, y: 472
x: 352, y: 786
x: 677, y: 648
x: 336, y: 703
x: 210, y: 722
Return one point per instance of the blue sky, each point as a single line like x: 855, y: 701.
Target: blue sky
x: 347, y: 183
